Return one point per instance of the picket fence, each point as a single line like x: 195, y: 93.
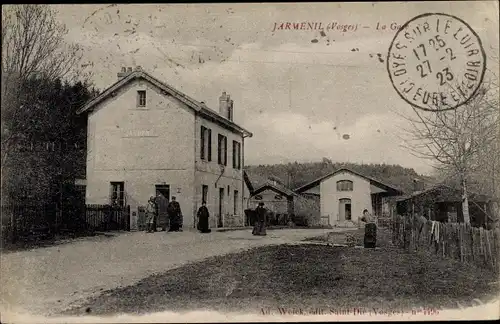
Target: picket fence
x: 454, y: 240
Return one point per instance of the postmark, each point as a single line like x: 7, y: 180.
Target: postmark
x: 436, y: 62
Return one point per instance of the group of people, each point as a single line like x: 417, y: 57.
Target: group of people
x: 174, y: 215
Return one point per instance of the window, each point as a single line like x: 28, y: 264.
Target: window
x: 344, y: 185
x: 117, y: 193
x: 222, y: 150
x: 236, y: 199
x: 236, y: 155
x: 204, y: 193
x: 141, y: 98
x: 206, y: 144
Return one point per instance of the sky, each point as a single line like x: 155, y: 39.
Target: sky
x: 297, y: 91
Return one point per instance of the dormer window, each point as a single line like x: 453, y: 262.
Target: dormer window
x: 344, y: 185
x: 141, y: 98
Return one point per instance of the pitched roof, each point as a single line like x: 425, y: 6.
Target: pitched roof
x: 248, y: 182
x: 258, y: 183
x: 373, y: 181
x: 276, y: 188
x: 199, y: 107
x: 255, y: 179
x: 444, y: 187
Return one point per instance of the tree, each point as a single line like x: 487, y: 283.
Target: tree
x: 33, y: 43
x: 459, y: 141
x: 33, y: 48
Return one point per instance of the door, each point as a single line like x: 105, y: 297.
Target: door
x: 162, y: 200
x: 344, y: 209
x: 348, y: 210
x: 221, y: 207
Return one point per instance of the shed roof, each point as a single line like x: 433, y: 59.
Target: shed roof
x: 276, y: 188
x: 446, y: 192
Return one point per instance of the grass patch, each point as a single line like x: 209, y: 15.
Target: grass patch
x: 302, y: 276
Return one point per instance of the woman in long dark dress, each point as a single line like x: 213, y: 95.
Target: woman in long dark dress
x: 203, y: 216
x: 370, y: 238
x: 260, y: 224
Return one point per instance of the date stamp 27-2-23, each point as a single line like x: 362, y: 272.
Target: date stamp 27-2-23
x: 436, y: 62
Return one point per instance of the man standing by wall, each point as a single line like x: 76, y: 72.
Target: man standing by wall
x: 175, y: 216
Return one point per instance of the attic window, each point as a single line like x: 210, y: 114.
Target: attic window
x: 141, y: 98
x: 344, y: 185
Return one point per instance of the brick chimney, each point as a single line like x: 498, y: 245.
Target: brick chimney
x: 230, y: 110
x: 226, y: 106
x: 125, y: 71
x: 223, y: 103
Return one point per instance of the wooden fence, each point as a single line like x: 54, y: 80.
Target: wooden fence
x: 107, y: 218
x: 46, y: 220
x: 454, y: 240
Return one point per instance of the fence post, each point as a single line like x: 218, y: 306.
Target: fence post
x: 489, y: 247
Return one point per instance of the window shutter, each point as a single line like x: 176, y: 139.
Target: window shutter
x: 225, y: 150
x: 239, y: 156
x: 219, y: 149
x: 234, y: 154
x: 202, y: 143
x: 209, y: 145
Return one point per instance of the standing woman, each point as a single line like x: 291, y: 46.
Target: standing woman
x: 150, y: 214
x: 203, y: 216
x: 255, y: 219
x: 370, y: 239
x: 260, y: 224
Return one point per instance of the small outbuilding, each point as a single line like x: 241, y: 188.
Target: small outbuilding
x: 444, y: 203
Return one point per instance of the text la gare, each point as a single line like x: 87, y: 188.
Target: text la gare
x: 393, y: 26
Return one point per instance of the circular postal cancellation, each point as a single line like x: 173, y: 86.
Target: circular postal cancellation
x: 436, y: 62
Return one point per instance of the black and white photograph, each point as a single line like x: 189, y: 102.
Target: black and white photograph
x: 250, y: 162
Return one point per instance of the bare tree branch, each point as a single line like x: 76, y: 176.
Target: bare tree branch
x: 460, y: 141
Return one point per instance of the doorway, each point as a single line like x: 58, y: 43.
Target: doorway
x: 163, y: 198
x: 221, y: 207
x: 345, y: 209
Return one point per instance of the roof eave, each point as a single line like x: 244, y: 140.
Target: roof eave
x: 246, y: 178
x: 208, y: 113
x: 109, y: 91
x: 276, y: 189
x: 197, y: 106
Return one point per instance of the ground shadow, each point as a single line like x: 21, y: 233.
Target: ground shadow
x: 31, y: 243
